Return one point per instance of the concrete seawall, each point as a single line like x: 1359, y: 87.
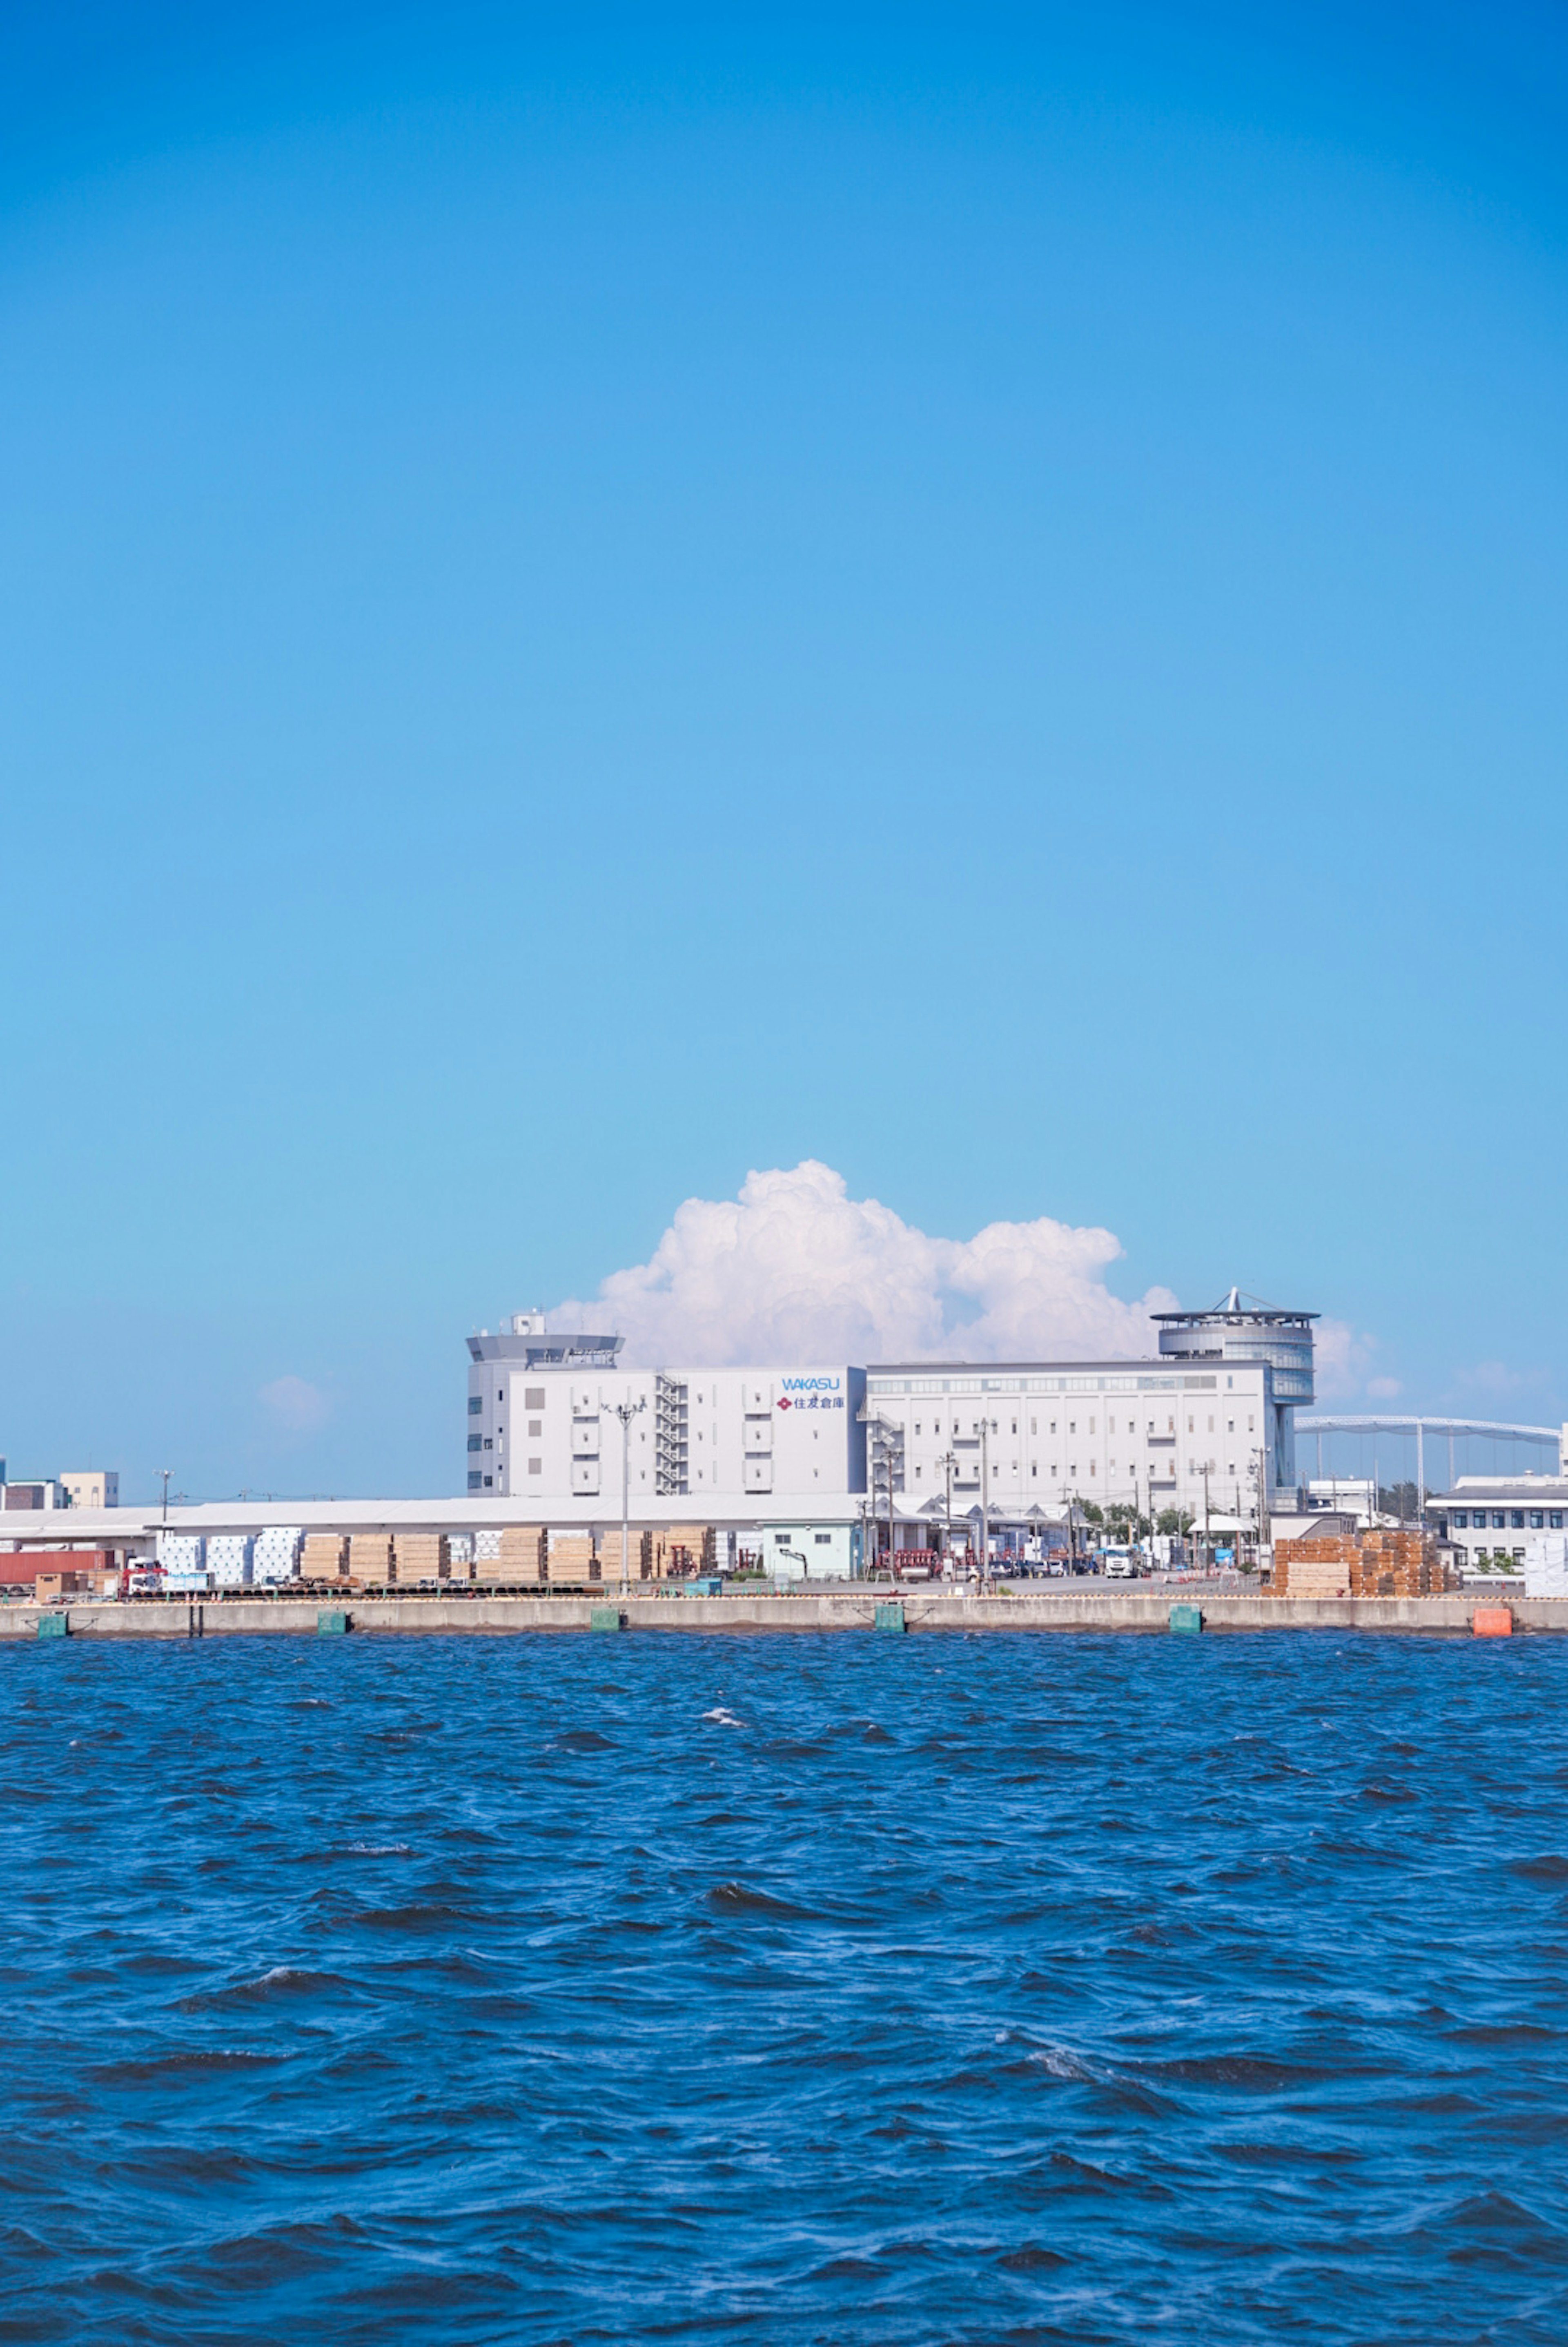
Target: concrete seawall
x: 1067, y: 1609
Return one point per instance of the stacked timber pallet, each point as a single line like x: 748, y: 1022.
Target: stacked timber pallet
x: 1363, y: 1565
x: 323, y: 1557
x: 1318, y: 1564
x: 511, y: 1559
x: 1400, y: 1564
x: 370, y: 1559
x: 418, y: 1557
x: 639, y: 1557
x: 571, y: 1562
x: 688, y: 1548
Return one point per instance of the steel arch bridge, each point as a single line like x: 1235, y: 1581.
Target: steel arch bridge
x: 1554, y: 1438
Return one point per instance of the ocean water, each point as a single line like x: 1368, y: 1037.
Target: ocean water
x: 821, y: 1989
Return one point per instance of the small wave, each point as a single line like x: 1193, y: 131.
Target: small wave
x: 1032, y: 2258
x: 1061, y: 2062
x: 735, y: 1898
x: 722, y: 1717
x: 1548, y: 1867
x: 428, y: 1915
x: 284, y: 1980
x: 582, y: 1739
x: 193, y: 2062
x: 381, y: 1850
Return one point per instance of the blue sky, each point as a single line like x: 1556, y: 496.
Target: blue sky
x: 583, y: 612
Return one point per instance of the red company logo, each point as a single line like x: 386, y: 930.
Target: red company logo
x: 784, y: 1402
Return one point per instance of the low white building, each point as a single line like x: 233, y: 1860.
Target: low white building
x: 1493, y: 1519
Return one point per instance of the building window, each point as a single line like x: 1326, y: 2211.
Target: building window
x: 536, y: 1426
x: 1461, y: 1520
x: 475, y: 1479
x: 1554, y: 1520
x: 487, y: 1444
x: 1516, y: 1518
x: 1499, y: 1522
x: 823, y: 1540
x: 489, y: 1480
x: 475, y: 1443
x: 1537, y: 1521
x: 476, y: 1404
x: 533, y: 1398
x: 536, y: 1466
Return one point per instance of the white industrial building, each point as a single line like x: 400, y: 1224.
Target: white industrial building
x: 1492, y: 1519
x: 1209, y: 1423
x: 553, y: 1421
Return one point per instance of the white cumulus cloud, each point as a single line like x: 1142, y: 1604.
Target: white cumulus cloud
x: 795, y: 1269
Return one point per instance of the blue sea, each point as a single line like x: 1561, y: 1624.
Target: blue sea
x: 819, y: 1989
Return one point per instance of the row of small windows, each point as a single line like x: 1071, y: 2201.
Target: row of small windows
x: 1508, y: 1519
x: 937, y: 1429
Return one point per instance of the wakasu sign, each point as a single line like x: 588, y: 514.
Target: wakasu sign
x: 811, y: 1393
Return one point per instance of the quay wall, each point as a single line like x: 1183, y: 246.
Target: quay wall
x: 1106, y: 1610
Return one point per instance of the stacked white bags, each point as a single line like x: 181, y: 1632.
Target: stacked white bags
x: 276, y: 1554
x: 228, y: 1560
x: 1546, y: 1565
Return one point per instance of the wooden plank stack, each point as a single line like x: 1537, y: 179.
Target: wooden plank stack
x: 1400, y: 1564
x: 324, y: 1557
x: 519, y: 1560
x: 418, y: 1557
x: 639, y: 1555
x: 1318, y: 1564
x: 689, y: 1548
x: 571, y: 1562
x: 1363, y: 1565
x: 369, y: 1558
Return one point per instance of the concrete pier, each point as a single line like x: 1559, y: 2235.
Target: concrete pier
x: 1069, y: 1608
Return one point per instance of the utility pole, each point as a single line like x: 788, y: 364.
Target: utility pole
x: 984, y: 1498
x: 166, y: 1472
x: 625, y: 1411
x: 947, y: 1463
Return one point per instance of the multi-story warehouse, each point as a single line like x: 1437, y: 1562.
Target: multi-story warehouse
x: 1210, y: 1419
x: 551, y: 1419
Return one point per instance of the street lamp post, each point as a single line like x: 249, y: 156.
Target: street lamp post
x: 984, y: 1499
x: 625, y: 1411
x: 947, y: 1462
x: 166, y: 1472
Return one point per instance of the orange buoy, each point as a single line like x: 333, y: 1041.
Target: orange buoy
x: 1492, y: 1622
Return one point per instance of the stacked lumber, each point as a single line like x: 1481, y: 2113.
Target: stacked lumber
x: 418, y: 1557
x: 511, y: 1559
x: 1399, y: 1564
x: 1363, y: 1565
x: 323, y: 1557
x: 571, y: 1562
x: 369, y: 1558
x: 1318, y: 1564
x: 689, y: 1548
x: 639, y: 1554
